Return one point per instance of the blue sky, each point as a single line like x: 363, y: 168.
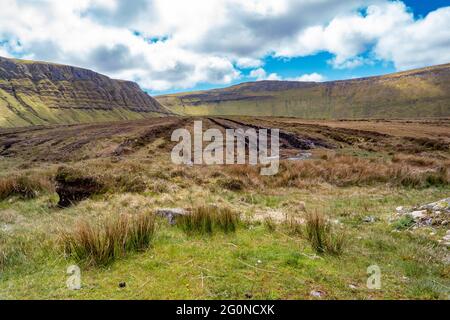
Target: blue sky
x: 171, y: 46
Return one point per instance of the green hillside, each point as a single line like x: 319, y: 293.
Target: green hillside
x: 39, y: 93
x: 411, y: 94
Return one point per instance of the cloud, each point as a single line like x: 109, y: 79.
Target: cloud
x: 261, y: 74
x: 419, y: 43
x: 312, y: 77
x: 168, y: 44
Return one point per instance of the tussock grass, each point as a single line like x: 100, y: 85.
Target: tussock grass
x: 100, y: 244
x: 25, y: 186
x: 322, y: 236
x: 343, y: 171
x: 208, y: 219
x: 270, y: 224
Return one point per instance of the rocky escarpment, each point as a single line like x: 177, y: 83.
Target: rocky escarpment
x: 44, y: 93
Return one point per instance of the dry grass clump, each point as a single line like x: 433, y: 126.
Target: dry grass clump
x: 342, y: 171
x: 25, y: 186
x: 112, y: 238
x: 270, y: 224
x: 414, y: 160
x: 347, y: 171
x: 208, y: 219
x: 322, y: 236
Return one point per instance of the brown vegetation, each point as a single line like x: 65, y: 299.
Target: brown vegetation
x: 112, y: 238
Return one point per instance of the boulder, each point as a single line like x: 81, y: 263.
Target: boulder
x: 171, y: 213
x: 417, y: 215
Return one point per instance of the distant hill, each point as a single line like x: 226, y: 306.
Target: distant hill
x: 40, y: 93
x: 411, y: 94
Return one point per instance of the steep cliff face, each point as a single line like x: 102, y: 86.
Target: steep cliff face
x: 411, y: 94
x: 43, y: 93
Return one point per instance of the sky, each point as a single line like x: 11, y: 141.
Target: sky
x: 169, y: 46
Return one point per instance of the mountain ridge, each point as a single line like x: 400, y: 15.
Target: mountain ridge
x: 409, y: 94
x: 36, y: 92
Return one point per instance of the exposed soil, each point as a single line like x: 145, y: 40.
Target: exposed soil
x: 119, y: 139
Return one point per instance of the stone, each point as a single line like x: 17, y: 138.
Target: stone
x: 317, y: 293
x: 418, y: 214
x: 400, y: 209
x: 171, y: 213
x: 369, y: 219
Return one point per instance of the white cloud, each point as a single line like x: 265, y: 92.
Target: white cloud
x: 418, y: 44
x: 312, y: 77
x: 165, y: 44
x: 261, y: 74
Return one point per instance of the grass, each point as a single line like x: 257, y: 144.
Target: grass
x: 342, y: 171
x: 322, y: 236
x: 209, y: 219
x: 400, y: 97
x: 24, y: 186
x: 100, y: 244
x: 404, y: 222
x: 249, y: 243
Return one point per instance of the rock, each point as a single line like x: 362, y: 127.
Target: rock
x: 6, y: 228
x: 369, y: 219
x: 417, y: 215
x: 352, y: 286
x: 317, y: 294
x: 171, y: 213
x: 443, y: 205
x: 400, y: 209
x: 446, y: 238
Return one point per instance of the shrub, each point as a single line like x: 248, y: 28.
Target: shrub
x: 207, y: 219
x: 321, y: 235
x: 100, y: 244
x: 24, y: 186
x: 404, y: 222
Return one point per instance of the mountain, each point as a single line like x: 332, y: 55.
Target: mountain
x: 40, y: 93
x: 412, y: 94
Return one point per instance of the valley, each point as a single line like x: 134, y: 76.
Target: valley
x: 356, y: 177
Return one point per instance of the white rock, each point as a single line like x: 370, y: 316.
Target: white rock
x: 400, y: 209
x: 418, y: 214
x: 317, y: 294
x: 171, y: 213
